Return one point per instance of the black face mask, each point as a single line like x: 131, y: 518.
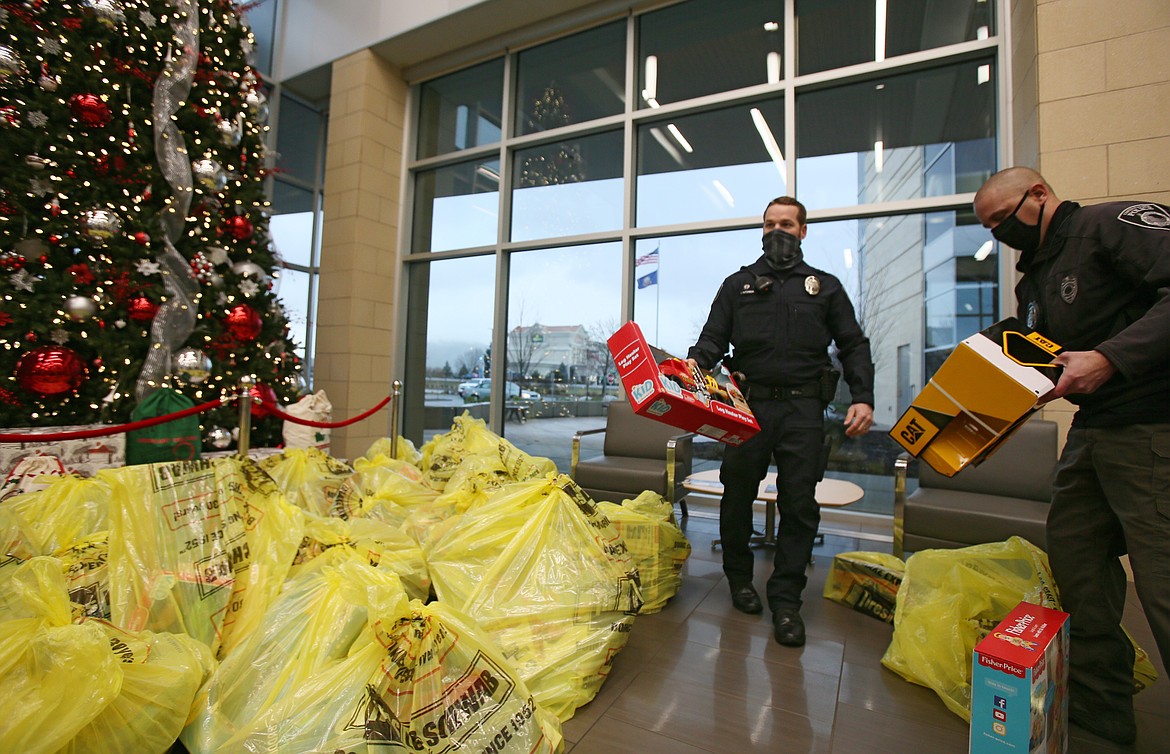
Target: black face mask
x: 781, y: 250
x: 1016, y: 234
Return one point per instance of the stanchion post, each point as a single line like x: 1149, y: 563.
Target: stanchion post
x: 395, y: 392
x: 244, y: 440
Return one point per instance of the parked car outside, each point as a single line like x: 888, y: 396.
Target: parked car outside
x: 479, y: 390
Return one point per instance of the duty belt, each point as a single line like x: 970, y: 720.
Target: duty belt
x: 757, y: 391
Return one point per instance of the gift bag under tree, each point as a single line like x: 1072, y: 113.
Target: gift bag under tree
x: 176, y: 440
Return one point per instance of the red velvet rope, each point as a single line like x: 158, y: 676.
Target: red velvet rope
x: 325, y: 425
x: 113, y: 429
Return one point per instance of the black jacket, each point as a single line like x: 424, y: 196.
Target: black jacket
x: 782, y: 336
x: 1101, y: 281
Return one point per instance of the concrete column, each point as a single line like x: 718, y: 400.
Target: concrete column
x: 359, y: 251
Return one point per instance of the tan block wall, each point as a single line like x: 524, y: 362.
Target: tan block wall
x: 1100, y: 99
x: 359, y: 253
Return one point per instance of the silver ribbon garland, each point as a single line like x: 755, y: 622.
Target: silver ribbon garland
x: 175, y: 319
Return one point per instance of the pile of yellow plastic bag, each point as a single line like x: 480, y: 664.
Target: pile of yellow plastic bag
x: 87, y: 686
x: 657, y: 545
x: 376, y: 542
x: 548, y: 577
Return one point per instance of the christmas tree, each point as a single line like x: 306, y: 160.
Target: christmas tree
x: 134, y: 246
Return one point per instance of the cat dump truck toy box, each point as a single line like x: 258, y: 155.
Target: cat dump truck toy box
x: 991, y: 383
x: 1019, y: 684
x: 664, y: 387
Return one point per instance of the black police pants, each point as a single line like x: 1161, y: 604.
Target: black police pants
x: 1111, y: 496
x: 791, y: 432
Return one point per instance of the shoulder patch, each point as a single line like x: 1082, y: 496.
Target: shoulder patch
x: 1150, y: 216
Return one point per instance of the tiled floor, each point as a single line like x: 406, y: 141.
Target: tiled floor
x: 701, y: 677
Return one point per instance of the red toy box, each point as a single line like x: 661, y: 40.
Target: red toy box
x: 662, y: 387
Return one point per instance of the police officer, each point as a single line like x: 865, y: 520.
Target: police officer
x: 1096, y: 280
x: 781, y: 315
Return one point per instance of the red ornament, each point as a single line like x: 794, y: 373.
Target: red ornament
x: 238, y: 227
x: 141, y: 238
x: 89, y: 110
x: 81, y: 273
x: 243, y: 323
x: 5, y: 319
x: 262, y: 398
x: 11, y: 261
x: 50, y: 370
x: 142, y: 309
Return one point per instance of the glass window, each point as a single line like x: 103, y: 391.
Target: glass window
x: 450, y: 334
x: 461, y: 110
x: 572, y: 80
x: 291, y: 225
x: 298, y: 137
x: 294, y: 296
x: 456, y: 206
x: 879, y: 151
x: 568, y: 187
x: 563, y: 304
x: 711, y: 165
x: 262, y: 19
x: 708, y: 46
x: 838, y: 33
x: 676, y: 278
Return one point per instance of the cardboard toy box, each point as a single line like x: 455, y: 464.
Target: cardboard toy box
x: 990, y: 384
x: 1019, y: 684
x: 662, y: 387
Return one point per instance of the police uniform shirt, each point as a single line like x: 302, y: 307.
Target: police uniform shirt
x: 781, y: 327
x: 1101, y: 281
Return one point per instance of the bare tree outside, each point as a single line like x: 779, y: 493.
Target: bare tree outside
x: 523, y: 341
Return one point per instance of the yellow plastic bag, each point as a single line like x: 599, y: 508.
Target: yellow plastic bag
x: 657, y: 545
x: 551, y: 581
x: 404, y: 452
x: 375, y: 542
x: 308, y: 477
x: 198, y: 547
x: 70, y: 508
x: 87, y: 687
x: 868, y: 582
x: 443, y: 686
x: 443, y: 454
x: 309, y: 629
x: 950, y: 599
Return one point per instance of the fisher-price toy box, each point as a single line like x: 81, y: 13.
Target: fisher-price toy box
x: 1019, y: 684
x: 663, y: 387
x: 989, y: 385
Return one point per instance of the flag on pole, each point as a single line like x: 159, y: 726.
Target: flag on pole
x: 651, y: 258
x: 648, y: 280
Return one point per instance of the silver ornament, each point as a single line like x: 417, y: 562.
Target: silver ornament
x: 80, y: 308
x: 107, y: 12
x: 296, y: 383
x: 229, y: 133
x: 100, y: 224
x: 257, y: 104
x: 209, y: 174
x: 251, y: 270
x: 36, y: 162
x: 192, y: 365
x: 10, y: 64
x: 219, y: 438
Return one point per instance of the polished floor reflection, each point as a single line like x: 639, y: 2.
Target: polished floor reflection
x: 701, y: 677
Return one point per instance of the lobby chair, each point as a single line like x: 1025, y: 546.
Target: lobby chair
x: 638, y: 454
x: 1006, y: 495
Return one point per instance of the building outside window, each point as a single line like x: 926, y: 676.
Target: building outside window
x: 620, y: 172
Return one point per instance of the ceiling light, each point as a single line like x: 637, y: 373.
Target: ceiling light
x: 770, y: 144
x: 848, y: 258
x: 771, y: 26
x: 727, y: 197
x: 682, y: 142
x: 879, y: 32
x: 984, y: 251
x: 651, y: 90
x: 879, y: 155
x: 773, y: 68
x: 983, y: 75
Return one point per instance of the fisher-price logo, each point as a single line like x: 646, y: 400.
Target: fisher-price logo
x: 642, y: 391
